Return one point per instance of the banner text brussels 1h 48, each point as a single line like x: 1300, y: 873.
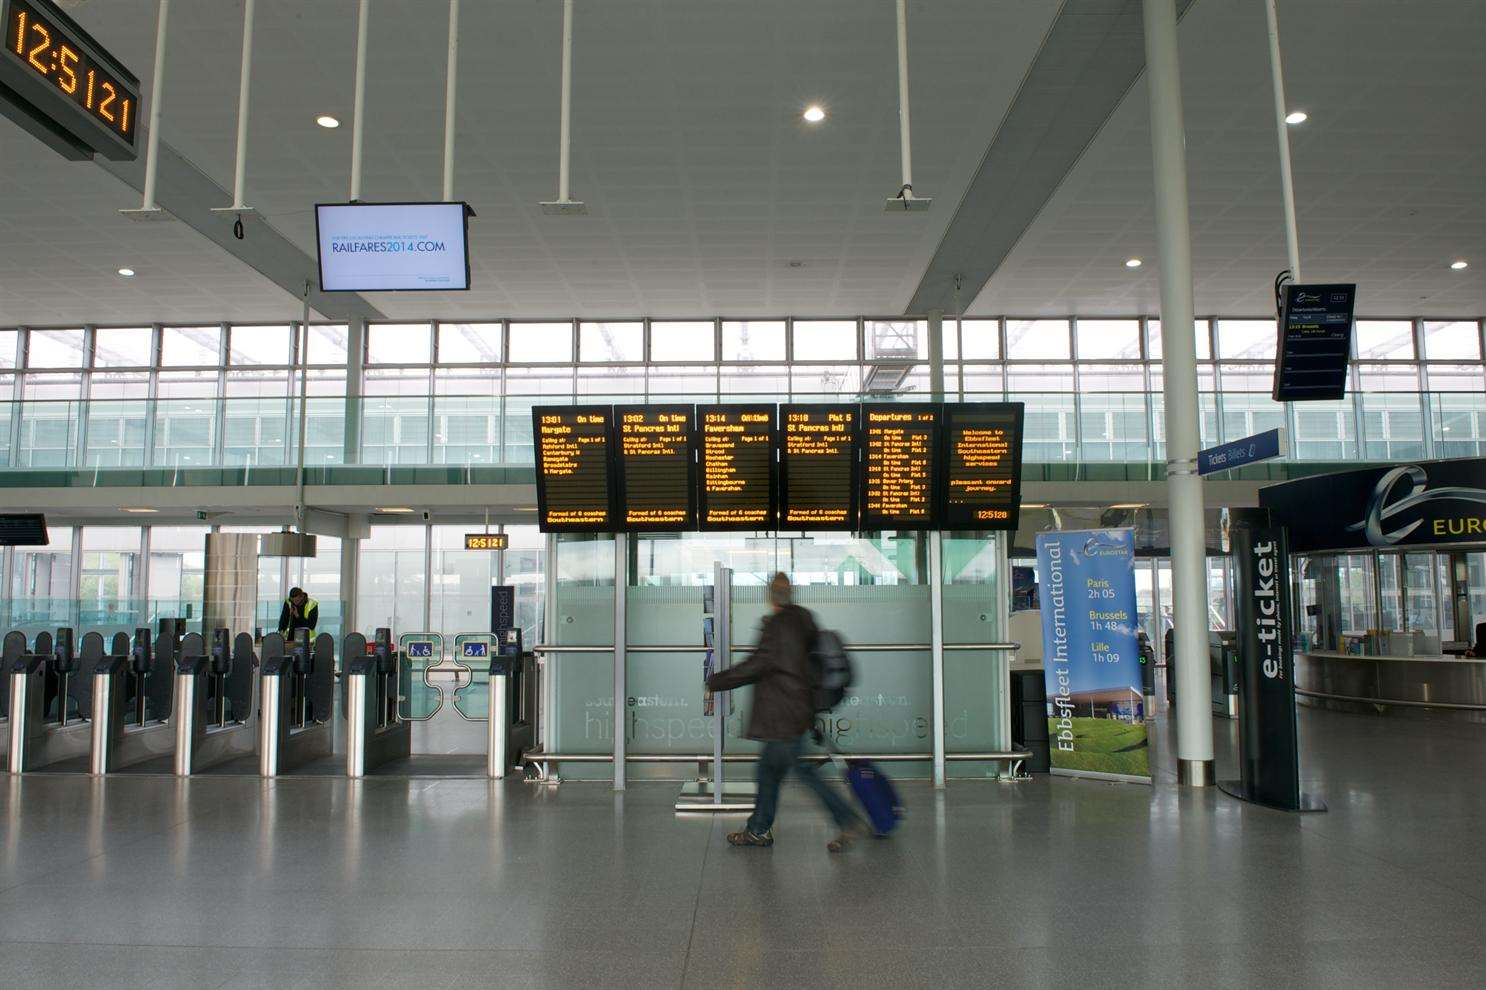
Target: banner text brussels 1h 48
x: 1091, y: 654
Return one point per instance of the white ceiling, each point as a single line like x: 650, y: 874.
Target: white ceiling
x: 703, y: 185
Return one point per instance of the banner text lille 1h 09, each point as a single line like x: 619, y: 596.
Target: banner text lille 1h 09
x: 1091, y: 654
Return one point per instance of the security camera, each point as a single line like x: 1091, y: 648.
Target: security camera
x: 427, y: 515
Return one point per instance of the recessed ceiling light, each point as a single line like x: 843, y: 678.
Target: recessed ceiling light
x: 1297, y: 117
x: 814, y: 113
x: 126, y: 272
x: 327, y: 121
x: 1460, y: 265
x: 1133, y: 263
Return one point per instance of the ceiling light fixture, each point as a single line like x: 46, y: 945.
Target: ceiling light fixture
x: 814, y: 113
x: 1460, y: 265
x: 139, y: 509
x: 1131, y: 505
x: 328, y: 122
x: 1296, y: 117
x: 1133, y: 263
x: 395, y: 509
x: 126, y: 272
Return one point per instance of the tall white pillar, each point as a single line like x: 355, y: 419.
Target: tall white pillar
x: 1194, y: 720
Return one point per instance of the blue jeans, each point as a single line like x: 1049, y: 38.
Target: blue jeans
x: 774, y: 763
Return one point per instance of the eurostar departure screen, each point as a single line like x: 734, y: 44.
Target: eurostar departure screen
x: 900, y: 450
x: 982, y: 466
x: 657, y: 477
x: 737, y: 467
x: 818, y: 467
x: 575, y: 492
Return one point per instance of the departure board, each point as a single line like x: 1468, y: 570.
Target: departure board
x: 656, y: 467
x: 737, y: 467
x: 900, y: 448
x: 575, y: 492
x: 982, y: 466
x: 818, y: 467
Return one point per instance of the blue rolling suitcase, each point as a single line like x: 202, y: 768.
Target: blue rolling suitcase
x: 876, y: 794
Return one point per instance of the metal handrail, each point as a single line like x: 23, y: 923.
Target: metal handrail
x: 851, y: 648
x: 537, y: 756
x: 1443, y: 705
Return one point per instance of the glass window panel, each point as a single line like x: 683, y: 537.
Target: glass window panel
x: 541, y: 342
x: 190, y: 347
x: 825, y: 340
x: 1246, y: 377
x: 1453, y: 377
x: 467, y: 417
x: 1247, y: 414
x: 177, y: 569
x: 1459, y: 424
x: 906, y: 339
x: 399, y: 343
x: 951, y: 339
x: 1392, y: 426
x: 329, y: 343
x: 1040, y: 378
x: 825, y: 384
x: 597, y: 384
x: 1037, y: 340
x: 527, y: 387
x: 1114, y: 426
x: 682, y: 341
x: 1111, y: 377
x: 1388, y: 377
x: 109, y: 571
x: 8, y: 340
x: 763, y: 382
x: 980, y: 339
x: 1247, y: 339
x: 123, y: 347
x: 1200, y: 329
x: 1105, y: 339
x: 469, y: 343
x: 55, y: 349
x: 261, y: 345
x: 611, y: 341
x: 983, y: 382
x: 1324, y: 431
x: 389, y: 580
x: 1457, y: 340
x: 460, y: 596
x: 753, y: 340
x: 1384, y: 340
x: 674, y: 383
x: 261, y: 382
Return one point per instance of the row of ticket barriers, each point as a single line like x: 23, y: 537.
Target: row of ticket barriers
x: 171, y: 701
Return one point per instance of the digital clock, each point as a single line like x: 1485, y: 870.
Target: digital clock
x: 59, y: 84
x: 486, y: 541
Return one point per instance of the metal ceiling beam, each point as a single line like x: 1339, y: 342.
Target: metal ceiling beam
x: 1091, y: 56
x: 189, y: 194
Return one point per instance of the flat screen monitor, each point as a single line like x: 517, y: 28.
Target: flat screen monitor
x: 818, y: 467
x: 393, y: 247
x: 737, y: 467
x: 900, y: 451
x: 656, y: 447
x: 982, y: 466
x: 1315, y: 343
x: 575, y: 486
x: 23, y: 529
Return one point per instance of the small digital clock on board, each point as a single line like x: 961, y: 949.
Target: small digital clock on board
x: 63, y: 87
x: 486, y: 541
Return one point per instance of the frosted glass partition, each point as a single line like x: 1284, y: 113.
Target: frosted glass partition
x: 580, y: 686
x: 976, y: 586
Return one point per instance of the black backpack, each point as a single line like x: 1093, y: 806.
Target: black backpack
x: 830, y: 670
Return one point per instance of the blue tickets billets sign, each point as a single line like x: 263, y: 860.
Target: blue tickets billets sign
x: 1237, y: 453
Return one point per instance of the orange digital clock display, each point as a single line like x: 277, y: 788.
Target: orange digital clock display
x: 37, y: 42
x: 485, y: 541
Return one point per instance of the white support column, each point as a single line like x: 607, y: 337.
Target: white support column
x: 936, y: 650
x: 451, y: 88
x: 1174, y: 242
x: 1287, y: 178
x: 621, y: 582
x: 358, y: 107
x: 936, y: 355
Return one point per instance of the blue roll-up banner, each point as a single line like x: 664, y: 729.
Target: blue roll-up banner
x: 1091, y: 654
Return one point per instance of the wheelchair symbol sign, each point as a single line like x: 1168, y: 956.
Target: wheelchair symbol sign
x: 423, y: 649
x: 476, y: 651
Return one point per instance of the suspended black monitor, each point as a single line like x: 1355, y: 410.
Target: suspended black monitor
x: 818, y: 467
x: 1315, y: 343
x: 982, y: 466
x: 23, y: 529
x: 656, y: 461
x: 575, y: 480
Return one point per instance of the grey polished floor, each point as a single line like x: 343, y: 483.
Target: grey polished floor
x: 229, y: 882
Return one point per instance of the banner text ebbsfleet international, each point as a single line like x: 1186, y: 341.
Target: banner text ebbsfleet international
x: 372, y: 247
x: 1091, y: 654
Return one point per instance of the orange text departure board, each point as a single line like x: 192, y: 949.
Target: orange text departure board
x: 900, y: 451
x: 736, y: 467
x: 818, y: 467
x: 656, y: 467
x: 575, y: 491
x: 982, y: 466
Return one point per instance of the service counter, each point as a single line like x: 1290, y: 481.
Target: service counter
x: 1434, y: 686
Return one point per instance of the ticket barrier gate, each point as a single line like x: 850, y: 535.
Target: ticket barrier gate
x: 375, y: 735
x: 213, y: 701
x: 504, y: 664
x: 296, y: 688
x: 131, y: 696
x: 45, y: 727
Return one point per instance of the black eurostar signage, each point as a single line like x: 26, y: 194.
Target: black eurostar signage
x: 1419, y: 504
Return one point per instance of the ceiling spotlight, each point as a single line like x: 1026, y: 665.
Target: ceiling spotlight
x: 1297, y: 117
x: 1460, y: 265
x: 814, y: 113
x: 327, y: 121
x: 1134, y: 263
x: 126, y: 272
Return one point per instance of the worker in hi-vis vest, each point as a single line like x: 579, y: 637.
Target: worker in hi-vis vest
x: 300, y: 612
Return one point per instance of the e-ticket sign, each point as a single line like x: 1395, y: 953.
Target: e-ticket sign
x: 737, y: 467
x: 657, y: 467
x: 900, y: 447
x: 574, y: 483
x: 982, y: 466
x: 818, y: 467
